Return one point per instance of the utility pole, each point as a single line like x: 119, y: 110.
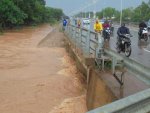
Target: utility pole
x: 149, y: 3
x: 94, y: 12
x: 121, y: 14
x: 85, y: 14
x: 89, y: 14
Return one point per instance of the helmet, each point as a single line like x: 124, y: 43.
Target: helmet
x: 106, y: 21
x: 123, y: 25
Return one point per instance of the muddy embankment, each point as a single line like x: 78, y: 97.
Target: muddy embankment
x: 37, y: 74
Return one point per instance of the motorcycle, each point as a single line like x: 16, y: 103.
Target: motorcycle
x: 124, y: 45
x: 144, y: 34
x: 107, y: 33
x: 112, y: 31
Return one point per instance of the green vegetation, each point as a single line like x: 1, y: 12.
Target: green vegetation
x: 142, y: 12
x: 107, y: 12
x: 26, y: 12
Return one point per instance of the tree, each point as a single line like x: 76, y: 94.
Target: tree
x: 142, y: 12
x: 107, y: 13
x: 127, y: 14
x: 10, y: 14
x: 33, y: 8
x: 16, y: 12
x: 37, y: 12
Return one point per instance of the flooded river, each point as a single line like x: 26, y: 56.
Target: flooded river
x: 37, y: 75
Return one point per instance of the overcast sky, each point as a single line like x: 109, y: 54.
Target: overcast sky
x: 74, y: 6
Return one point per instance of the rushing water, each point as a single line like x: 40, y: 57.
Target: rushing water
x: 37, y: 75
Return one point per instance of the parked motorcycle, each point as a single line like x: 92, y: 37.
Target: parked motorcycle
x: 144, y: 34
x: 124, y: 45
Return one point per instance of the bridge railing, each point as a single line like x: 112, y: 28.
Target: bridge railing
x: 137, y: 103
x: 87, y: 41
x: 84, y: 39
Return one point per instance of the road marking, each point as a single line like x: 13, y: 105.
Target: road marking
x: 146, y: 50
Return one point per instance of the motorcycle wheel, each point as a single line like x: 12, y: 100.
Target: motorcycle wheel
x: 118, y: 48
x: 127, y: 50
x: 139, y: 37
x: 145, y: 38
x: 108, y: 38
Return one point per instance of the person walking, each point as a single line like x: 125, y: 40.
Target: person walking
x: 64, y: 24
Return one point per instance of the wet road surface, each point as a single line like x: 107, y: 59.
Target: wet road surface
x: 140, y: 48
x: 37, y: 75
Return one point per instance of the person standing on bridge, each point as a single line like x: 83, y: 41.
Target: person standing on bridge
x: 98, y: 29
x: 79, y: 23
x: 64, y: 24
x: 98, y: 26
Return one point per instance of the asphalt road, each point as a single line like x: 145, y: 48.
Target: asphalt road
x: 140, y: 48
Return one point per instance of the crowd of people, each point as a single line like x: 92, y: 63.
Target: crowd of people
x: 101, y: 27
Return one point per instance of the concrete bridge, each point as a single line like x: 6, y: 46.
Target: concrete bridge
x: 38, y: 75
x: 84, y: 46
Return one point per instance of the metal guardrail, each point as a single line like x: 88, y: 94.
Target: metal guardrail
x: 137, y: 103
x: 140, y: 71
x: 87, y: 41
x: 84, y: 39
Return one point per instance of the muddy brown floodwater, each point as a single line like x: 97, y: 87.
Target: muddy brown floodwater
x: 37, y: 75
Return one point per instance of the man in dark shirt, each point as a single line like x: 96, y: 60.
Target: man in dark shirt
x: 121, y: 32
x: 105, y: 26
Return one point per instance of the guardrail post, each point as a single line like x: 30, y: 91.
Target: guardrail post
x: 88, y: 44
x: 69, y: 31
x: 113, y: 64
x: 80, y: 39
x: 74, y: 37
x: 99, y: 50
x: 77, y: 37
